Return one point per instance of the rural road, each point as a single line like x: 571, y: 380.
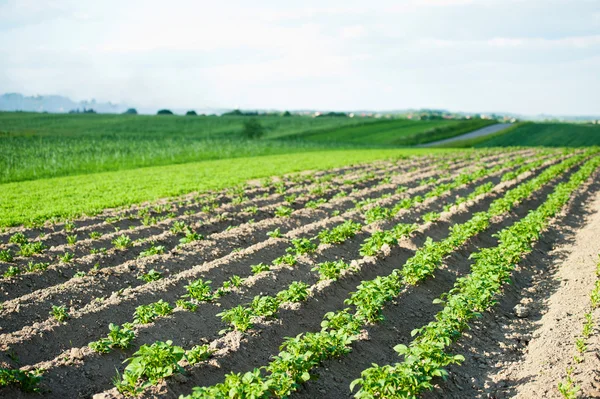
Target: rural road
x: 477, y: 133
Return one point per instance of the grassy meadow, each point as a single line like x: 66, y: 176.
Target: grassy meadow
x: 38, y: 146
x: 545, y: 134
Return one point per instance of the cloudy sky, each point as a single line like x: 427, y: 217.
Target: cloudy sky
x: 524, y: 56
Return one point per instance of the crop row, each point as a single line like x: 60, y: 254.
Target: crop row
x: 147, y: 275
x: 426, y: 357
x: 116, y: 333
x: 300, y: 354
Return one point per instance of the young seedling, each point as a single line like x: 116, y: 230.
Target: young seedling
x: 122, y: 242
x: 153, y: 250
x: 28, y: 249
x: 67, y: 257
x: 261, y: 267
x: 11, y: 271
x: 198, y: 353
x: 199, y: 290
x: 18, y: 238
x: 94, y: 235
x: 59, y: 313
x: 275, y: 233
x: 71, y: 239
x: 149, y: 365
x: 152, y: 275
x: 238, y: 317
x: 283, y: 211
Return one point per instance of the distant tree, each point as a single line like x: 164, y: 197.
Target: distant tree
x: 253, y: 129
x: 164, y: 112
x: 235, y: 112
x: 286, y: 113
x: 89, y: 111
x: 334, y: 114
x: 130, y: 111
x: 191, y: 113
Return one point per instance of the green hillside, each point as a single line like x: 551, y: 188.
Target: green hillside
x: 393, y: 132
x: 35, y: 146
x: 547, y: 134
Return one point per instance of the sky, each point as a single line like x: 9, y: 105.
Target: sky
x: 522, y: 56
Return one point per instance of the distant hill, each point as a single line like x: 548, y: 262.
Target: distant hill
x: 54, y: 104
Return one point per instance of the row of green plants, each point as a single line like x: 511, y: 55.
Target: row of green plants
x: 240, y: 317
x: 568, y: 387
x: 123, y: 241
x: 426, y: 357
x: 298, y: 247
x: 121, y: 336
x: 300, y: 354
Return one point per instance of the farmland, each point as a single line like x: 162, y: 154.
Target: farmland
x: 546, y: 134
x: 366, y: 277
x: 37, y: 146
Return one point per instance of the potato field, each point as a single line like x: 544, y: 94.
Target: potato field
x: 390, y: 279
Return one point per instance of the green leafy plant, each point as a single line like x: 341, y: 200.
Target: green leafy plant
x: 283, y: 211
x: 296, y: 292
x: 59, y: 313
x: 199, y: 290
x: 122, y: 242
x: 151, y: 275
x: 378, y: 239
x: 30, y: 248
x: 339, y: 233
x: 71, y: 239
x: 94, y: 235
x: 238, y: 317
x: 149, y: 365
x: 118, y: 337
x: 330, y: 270
x: 27, y: 381
x: 145, y: 314
x: 11, y: 271
x: 431, y: 217
x: 198, y: 353
x: 261, y: 267
x: 275, y: 233
x: 6, y: 255
x: 302, y: 246
x: 153, y: 250
x: 288, y: 259
x: 18, y: 238
x: 67, y: 257
x: 36, y: 267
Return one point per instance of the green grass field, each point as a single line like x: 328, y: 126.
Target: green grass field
x: 48, y: 145
x: 394, y: 132
x: 546, y: 134
x: 70, y: 196
x: 38, y: 146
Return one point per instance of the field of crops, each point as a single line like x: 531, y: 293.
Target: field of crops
x: 546, y: 134
x: 367, y: 280
x: 36, y: 146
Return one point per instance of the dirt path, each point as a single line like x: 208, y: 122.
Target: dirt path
x: 551, y: 350
x: 477, y: 133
